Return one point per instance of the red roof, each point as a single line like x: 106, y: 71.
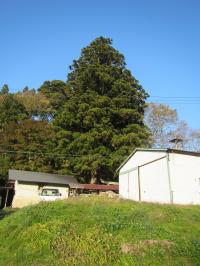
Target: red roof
x: 97, y: 187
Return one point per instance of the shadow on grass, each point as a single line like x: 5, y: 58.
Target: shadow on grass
x: 6, y: 212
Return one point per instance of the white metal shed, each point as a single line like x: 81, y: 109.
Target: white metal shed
x: 161, y: 175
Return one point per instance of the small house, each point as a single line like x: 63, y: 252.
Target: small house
x: 161, y: 175
x: 32, y: 187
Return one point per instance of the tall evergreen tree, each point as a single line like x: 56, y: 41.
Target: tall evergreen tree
x: 102, y: 120
x: 57, y: 92
x: 4, y: 89
x: 11, y: 110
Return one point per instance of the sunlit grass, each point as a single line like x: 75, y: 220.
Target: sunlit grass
x: 101, y: 231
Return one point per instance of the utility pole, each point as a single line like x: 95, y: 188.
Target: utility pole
x: 178, y: 141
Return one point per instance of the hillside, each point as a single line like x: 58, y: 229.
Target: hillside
x: 101, y: 231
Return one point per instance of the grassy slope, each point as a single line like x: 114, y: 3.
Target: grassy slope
x: 101, y: 231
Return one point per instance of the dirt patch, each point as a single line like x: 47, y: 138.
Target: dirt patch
x: 139, y: 247
x: 127, y: 248
x: 163, y: 243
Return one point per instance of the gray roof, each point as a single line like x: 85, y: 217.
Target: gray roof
x: 166, y: 150
x: 38, y: 177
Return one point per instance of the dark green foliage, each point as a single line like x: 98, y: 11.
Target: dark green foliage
x: 12, y: 113
x: 86, y: 126
x: 28, y: 144
x: 100, y: 231
x: 25, y: 89
x: 4, y: 166
x: 56, y: 92
x: 11, y: 110
x: 25, y: 141
x: 4, y: 89
x: 102, y: 121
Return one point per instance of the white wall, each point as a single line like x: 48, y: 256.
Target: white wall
x: 133, y: 185
x: 185, y: 178
x: 28, y: 193
x: 25, y: 194
x: 184, y: 174
x: 141, y: 157
x: 123, y: 186
x: 154, y: 182
x: 128, y: 185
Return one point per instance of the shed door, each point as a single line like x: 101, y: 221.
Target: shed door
x: 154, y: 182
x: 133, y: 185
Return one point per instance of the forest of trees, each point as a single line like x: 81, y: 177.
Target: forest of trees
x: 85, y: 126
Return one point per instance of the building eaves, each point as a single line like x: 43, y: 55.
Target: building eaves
x: 38, y: 177
x: 192, y: 153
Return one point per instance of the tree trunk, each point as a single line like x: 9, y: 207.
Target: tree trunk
x: 93, y: 180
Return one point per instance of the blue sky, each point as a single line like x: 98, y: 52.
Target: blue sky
x: 159, y: 38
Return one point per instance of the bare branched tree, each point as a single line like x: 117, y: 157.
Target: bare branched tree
x: 165, y: 125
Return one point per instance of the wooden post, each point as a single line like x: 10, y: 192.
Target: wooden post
x: 169, y: 180
x: 128, y: 187
x: 6, y: 197
x: 139, y: 184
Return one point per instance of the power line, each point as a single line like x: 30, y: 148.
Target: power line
x: 176, y: 97
x: 185, y: 103
x: 39, y: 153
x: 44, y: 154
x: 183, y: 100
x: 179, y: 100
x: 33, y: 152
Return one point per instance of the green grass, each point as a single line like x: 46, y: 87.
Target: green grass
x: 101, y: 231
x: 6, y: 212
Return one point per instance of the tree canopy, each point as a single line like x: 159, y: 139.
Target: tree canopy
x: 4, y: 89
x: 102, y: 121
x: 85, y: 126
x: 11, y: 110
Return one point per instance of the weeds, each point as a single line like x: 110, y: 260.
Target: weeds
x: 101, y: 231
